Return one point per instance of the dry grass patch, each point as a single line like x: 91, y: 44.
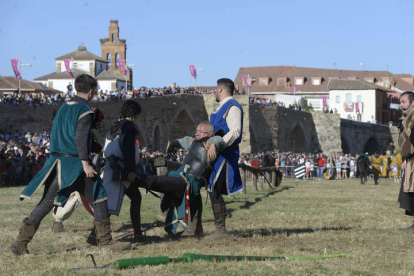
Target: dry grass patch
x: 300, y: 218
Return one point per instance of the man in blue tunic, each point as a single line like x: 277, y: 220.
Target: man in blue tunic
x: 69, y: 169
x: 225, y: 178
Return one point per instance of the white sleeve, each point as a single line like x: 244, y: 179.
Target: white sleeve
x: 233, y: 120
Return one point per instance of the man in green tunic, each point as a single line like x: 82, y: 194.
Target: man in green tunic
x: 69, y: 169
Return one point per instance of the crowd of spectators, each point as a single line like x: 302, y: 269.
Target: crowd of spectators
x: 22, y: 155
x: 34, y: 99
x: 317, y: 166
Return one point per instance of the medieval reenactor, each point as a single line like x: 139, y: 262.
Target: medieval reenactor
x: 185, y: 181
x: 406, y: 143
x: 363, y: 167
x: 69, y: 169
x: 376, y: 162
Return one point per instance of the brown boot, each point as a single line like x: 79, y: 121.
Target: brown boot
x: 195, y: 226
x: 58, y: 227
x: 103, y: 233
x: 219, y: 211
x: 26, y: 233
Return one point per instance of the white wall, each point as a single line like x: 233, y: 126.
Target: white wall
x: 105, y: 85
x: 316, y: 103
x: 81, y: 65
x: 367, y: 106
x: 288, y: 99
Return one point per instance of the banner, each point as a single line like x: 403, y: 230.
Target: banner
x: 122, y: 66
x: 15, y: 62
x: 245, y: 81
x: 67, y: 65
x: 193, y: 71
x: 325, y: 104
x: 349, y: 107
x: 357, y: 107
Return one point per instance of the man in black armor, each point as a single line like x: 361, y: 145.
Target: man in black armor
x: 186, y: 179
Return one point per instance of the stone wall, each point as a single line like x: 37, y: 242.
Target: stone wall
x: 166, y: 118
x: 358, y: 137
x: 328, y: 129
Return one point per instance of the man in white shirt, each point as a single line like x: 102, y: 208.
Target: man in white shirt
x: 227, y: 118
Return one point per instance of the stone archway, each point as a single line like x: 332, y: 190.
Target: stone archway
x: 157, y: 139
x: 182, y: 126
x: 372, y: 146
x: 297, y: 141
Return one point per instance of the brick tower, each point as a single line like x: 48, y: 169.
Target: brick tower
x: 114, y: 49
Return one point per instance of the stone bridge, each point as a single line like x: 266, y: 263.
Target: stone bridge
x: 166, y: 118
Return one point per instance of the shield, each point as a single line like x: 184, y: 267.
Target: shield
x: 299, y: 171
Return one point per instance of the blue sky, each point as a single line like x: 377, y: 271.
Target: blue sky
x: 165, y: 37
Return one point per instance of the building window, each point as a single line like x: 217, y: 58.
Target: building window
x: 348, y: 97
x: 316, y: 81
x: 338, y: 99
x: 298, y: 81
x: 359, y: 98
x: 113, y: 37
x: 281, y: 81
x: 264, y: 81
x: 371, y: 80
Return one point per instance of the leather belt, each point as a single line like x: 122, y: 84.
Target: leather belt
x: 63, y: 155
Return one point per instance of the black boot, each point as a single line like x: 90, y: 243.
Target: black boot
x: 409, y: 229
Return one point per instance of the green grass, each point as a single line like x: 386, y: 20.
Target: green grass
x: 300, y: 218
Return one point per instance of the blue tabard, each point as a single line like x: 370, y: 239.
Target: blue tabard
x: 68, y: 169
x: 228, y: 159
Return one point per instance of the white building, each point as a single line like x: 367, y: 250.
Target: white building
x: 362, y: 101
x: 83, y: 62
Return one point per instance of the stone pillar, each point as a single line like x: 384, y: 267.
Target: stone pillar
x: 328, y: 129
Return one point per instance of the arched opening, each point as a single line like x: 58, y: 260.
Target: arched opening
x: 182, y: 126
x: 157, y: 139
x: 108, y: 58
x: 372, y: 146
x: 297, y: 141
x: 345, y: 146
x: 113, y: 37
x: 117, y: 59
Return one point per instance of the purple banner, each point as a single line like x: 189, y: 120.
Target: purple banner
x: 67, y: 65
x: 325, y: 104
x: 122, y: 65
x: 15, y: 62
x: 193, y: 71
x: 357, y: 107
x: 245, y: 81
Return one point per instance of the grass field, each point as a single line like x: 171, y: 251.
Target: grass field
x: 299, y: 218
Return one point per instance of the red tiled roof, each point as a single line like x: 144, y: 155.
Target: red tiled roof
x: 10, y: 84
x: 292, y: 72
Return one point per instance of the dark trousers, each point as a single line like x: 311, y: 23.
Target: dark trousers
x: 84, y: 187
x: 219, y: 188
